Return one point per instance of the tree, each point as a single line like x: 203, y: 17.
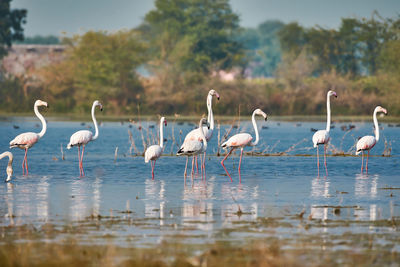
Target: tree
x: 11, y: 21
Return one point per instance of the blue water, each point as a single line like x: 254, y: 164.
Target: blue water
x: 272, y: 186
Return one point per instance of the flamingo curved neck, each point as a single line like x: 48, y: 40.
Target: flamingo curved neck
x: 9, y: 155
x: 210, y: 117
x: 202, y: 135
x: 41, y: 118
x: 376, y: 126
x: 161, y: 133
x: 328, y: 110
x: 253, y: 119
x: 96, y: 134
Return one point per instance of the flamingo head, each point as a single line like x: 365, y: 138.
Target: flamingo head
x: 260, y: 112
x: 97, y: 103
x: 163, y: 120
x: 204, y: 121
x: 332, y: 93
x: 381, y: 109
x: 213, y: 93
x: 9, y: 174
x: 41, y: 103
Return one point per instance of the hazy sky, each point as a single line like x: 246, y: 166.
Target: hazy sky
x: 77, y: 16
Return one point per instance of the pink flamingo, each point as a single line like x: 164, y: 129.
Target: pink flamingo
x: 27, y: 140
x: 81, y: 138
x: 208, y: 132
x: 241, y: 140
x: 154, y: 152
x: 9, y: 169
x: 194, y: 147
x: 322, y: 136
x: 369, y: 141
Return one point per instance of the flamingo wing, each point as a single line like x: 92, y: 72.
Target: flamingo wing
x: 153, y: 152
x: 320, y: 137
x: 238, y: 140
x: 25, y: 140
x: 365, y: 143
x: 190, y: 147
x: 80, y: 138
x: 196, y: 135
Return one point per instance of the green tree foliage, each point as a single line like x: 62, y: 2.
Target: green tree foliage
x: 11, y: 21
x: 389, y: 59
x: 98, y: 66
x: 262, y: 48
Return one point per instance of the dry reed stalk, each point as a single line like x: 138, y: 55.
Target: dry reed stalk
x: 62, y: 152
x: 115, y: 154
x: 132, y: 141
x: 292, y: 148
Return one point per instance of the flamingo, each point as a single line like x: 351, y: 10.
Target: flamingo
x: 322, y: 136
x: 368, y: 142
x: 208, y: 132
x: 194, y: 147
x: 154, y: 152
x: 27, y: 140
x: 241, y: 140
x: 9, y: 169
x: 81, y: 138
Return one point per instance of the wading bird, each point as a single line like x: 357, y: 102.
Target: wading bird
x: 194, y: 147
x: 9, y: 169
x: 154, y: 152
x: 81, y: 138
x: 27, y: 140
x: 241, y: 140
x: 369, y: 141
x: 208, y: 132
x: 321, y: 137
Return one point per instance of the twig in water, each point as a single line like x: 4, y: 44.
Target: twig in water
x: 62, y: 152
x: 219, y: 138
x: 115, y: 154
x: 387, y: 151
x: 294, y: 146
x: 132, y: 141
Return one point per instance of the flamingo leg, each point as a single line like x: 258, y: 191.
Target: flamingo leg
x: 23, y: 163
x: 326, y: 168
x: 204, y: 165
x: 83, y: 150
x: 366, y: 165
x: 197, y: 165
x: 201, y: 166
x: 192, y: 166
x: 362, y: 160
x: 79, y: 159
x: 152, y: 169
x: 222, y: 163
x: 26, y: 161
x: 185, y: 173
x: 240, y: 163
x: 318, y: 159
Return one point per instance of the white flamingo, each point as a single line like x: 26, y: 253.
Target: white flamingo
x: 194, y: 147
x: 9, y: 169
x: 208, y: 132
x: 241, y: 140
x: 81, y: 138
x: 321, y: 137
x: 369, y: 141
x: 154, y: 152
x: 27, y: 140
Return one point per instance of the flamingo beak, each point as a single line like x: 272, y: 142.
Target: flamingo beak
x: 265, y: 118
x: 165, y: 123
x: 101, y: 107
x: 385, y: 111
x: 217, y: 95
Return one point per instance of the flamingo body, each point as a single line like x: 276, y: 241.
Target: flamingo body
x: 238, y: 140
x: 196, y: 135
x: 320, y: 137
x: 80, y: 138
x: 365, y: 143
x: 152, y: 153
x: 25, y: 140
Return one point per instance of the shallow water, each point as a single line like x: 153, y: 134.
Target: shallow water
x: 118, y: 199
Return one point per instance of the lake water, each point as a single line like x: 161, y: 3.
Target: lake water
x: 118, y: 199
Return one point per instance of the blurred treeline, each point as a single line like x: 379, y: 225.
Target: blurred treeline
x: 168, y: 64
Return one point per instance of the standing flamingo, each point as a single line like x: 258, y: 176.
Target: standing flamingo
x: 194, y: 147
x: 208, y: 132
x: 154, y: 152
x: 81, y: 138
x: 241, y: 140
x: 27, y: 140
x: 322, y: 136
x: 9, y: 169
x: 369, y: 141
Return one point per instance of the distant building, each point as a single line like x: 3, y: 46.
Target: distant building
x: 23, y: 59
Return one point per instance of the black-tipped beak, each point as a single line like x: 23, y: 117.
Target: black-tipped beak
x: 218, y: 97
x: 336, y: 96
x: 266, y: 118
x: 48, y: 106
x: 101, y: 109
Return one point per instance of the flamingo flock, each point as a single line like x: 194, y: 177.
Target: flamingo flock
x: 194, y: 144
